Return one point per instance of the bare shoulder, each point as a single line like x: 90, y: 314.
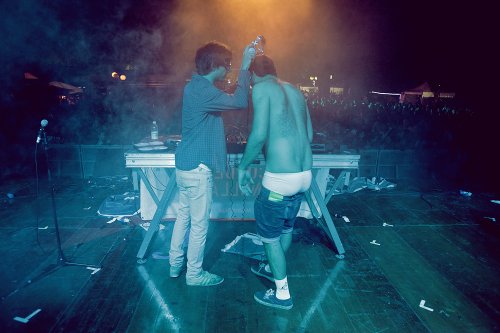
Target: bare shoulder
x: 292, y: 90
x: 261, y: 88
x: 265, y: 88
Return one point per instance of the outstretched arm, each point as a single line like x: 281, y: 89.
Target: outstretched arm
x: 217, y: 100
x: 257, y: 138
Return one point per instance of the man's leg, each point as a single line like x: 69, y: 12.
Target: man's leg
x: 181, y: 226
x: 264, y: 269
x: 269, y: 227
x: 200, y: 202
x: 286, y: 241
x: 277, y: 260
x: 280, y: 299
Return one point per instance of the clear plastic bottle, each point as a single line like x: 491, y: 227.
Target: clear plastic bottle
x: 154, y: 131
x: 258, y: 45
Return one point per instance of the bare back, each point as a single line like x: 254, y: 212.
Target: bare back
x: 287, y: 147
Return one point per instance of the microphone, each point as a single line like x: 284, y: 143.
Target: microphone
x: 43, y: 123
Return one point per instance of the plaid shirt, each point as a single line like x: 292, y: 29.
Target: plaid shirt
x: 203, y: 138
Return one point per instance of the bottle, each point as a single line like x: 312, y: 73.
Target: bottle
x: 154, y: 131
x: 258, y: 45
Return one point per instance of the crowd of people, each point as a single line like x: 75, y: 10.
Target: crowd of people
x: 339, y: 121
x: 383, y: 123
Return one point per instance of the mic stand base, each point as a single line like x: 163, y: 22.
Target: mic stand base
x: 61, y: 260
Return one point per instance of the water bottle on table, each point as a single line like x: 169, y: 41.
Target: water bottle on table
x: 154, y: 131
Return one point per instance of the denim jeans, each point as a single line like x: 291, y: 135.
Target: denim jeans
x: 275, y: 215
x: 195, y: 200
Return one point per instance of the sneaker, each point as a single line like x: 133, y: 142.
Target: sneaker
x: 204, y: 280
x: 260, y: 270
x: 268, y: 298
x: 175, y: 271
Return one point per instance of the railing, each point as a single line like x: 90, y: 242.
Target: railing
x: 86, y: 161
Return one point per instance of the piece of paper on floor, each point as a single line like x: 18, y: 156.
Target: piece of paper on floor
x: 146, y: 225
x: 248, y: 245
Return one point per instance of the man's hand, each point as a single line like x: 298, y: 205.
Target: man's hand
x: 245, y: 179
x: 248, y: 56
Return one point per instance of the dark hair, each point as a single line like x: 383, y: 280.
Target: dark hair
x: 211, y: 56
x: 263, y: 65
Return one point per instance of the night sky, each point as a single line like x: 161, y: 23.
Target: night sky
x: 366, y: 45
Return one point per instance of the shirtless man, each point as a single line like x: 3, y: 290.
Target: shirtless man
x: 282, y: 125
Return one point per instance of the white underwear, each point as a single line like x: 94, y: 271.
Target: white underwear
x: 204, y: 167
x: 287, y: 184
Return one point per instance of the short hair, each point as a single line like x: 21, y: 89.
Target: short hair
x: 263, y: 65
x: 212, y: 55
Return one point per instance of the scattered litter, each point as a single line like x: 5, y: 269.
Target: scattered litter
x: 382, y: 184
x: 374, y: 242
x: 360, y: 183
x: 27, y: 319
x: 87, y: 208
x: 422, y: 305
x: 43, y: 228
x: 444, y: 313
x: 95, y: 270
x: 465, y: 194
x: 490, y: 218
x: 10, y: 195
x: 146, y: 225
x: 107, y: 182
x: 120, y: 218
x: 120, y: 205
x: 357, y: 184
x: 496, y: 202
x: 160, y: 255
x: 387, y: 225
x: 345, y: 218
x: 248, y: 245
x: 344, y: 183
x: 116, y: 218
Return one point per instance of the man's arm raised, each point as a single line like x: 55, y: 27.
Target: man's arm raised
x: 257, y: 138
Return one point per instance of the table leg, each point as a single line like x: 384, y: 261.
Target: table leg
x: 314, y: 191
x: 159, y: 213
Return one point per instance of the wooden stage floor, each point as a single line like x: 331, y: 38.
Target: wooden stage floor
x: 434, y: 267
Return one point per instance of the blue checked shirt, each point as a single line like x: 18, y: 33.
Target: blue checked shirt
x: 203, y: 138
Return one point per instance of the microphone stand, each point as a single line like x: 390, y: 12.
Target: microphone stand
x: 61, y: 257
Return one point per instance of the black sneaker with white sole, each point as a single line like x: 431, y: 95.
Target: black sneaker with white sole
x: 260, y: 270
x: 268, y: 298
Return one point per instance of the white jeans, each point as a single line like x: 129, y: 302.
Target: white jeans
x: 195, y: 200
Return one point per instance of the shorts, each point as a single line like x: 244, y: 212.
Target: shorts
x: 275, y: 214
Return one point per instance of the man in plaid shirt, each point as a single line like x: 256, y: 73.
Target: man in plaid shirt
x: 201, y: 152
